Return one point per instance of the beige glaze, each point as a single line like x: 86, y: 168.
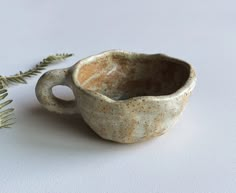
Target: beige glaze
x: 124, y: 97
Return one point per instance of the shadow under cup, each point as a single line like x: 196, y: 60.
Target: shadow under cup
x: 121, y: 77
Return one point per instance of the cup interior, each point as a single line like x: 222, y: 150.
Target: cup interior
x: 122, y: 76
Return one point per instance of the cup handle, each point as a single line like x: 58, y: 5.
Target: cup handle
x: 45, y: 95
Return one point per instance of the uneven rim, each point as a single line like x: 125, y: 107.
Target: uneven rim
x: 187, y: 87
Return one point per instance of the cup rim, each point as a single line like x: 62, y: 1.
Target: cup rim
x: 188, y: 86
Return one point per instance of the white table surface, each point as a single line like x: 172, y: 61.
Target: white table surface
x: 47, y: 153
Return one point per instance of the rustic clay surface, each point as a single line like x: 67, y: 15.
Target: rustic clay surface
x: 124, y: 97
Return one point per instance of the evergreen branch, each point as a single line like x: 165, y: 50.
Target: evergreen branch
x: 7, y: 115
x: 21, y: 77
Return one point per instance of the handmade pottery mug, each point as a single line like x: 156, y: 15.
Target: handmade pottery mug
x: 124, y: 97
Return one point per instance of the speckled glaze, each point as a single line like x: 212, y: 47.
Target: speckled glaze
x: 124, y: 97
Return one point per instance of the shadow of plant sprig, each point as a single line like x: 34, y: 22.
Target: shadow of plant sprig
x: 7, y: 118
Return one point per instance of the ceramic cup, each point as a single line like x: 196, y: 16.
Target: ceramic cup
x: 124, y: 97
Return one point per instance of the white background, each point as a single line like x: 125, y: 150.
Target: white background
x: 47, y: 153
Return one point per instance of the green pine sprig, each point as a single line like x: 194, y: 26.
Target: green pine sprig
x: 21, y: 77
x: 7, y: 114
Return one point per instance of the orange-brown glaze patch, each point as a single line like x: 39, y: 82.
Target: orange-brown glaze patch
x: 95, y: 83
x: 88, y: 70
